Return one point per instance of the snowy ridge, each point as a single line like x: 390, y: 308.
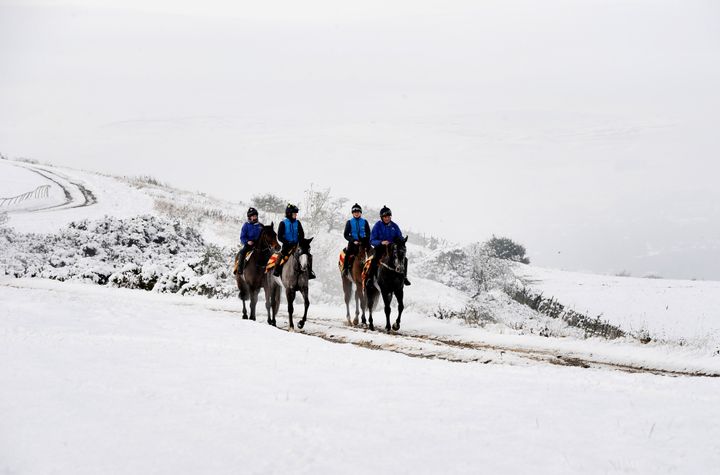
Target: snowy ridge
x: 451, y: 291
x: 97, y: 379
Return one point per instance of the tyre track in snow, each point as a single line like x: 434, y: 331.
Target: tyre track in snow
x: 66, y: 185
x: 422, y: 345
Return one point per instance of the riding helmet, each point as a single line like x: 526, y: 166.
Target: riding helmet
x: 291, y: 208
x: 356, y: 207
x: 252, y: 212
x: 385, y: 211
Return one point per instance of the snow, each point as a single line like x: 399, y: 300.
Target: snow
x: 15, y: 179
x: 668, y: 309
x: 113, y: 380
x: 113, y: 198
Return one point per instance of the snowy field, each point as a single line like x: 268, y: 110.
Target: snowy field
x: 674, y: 310
x: 99, y: 380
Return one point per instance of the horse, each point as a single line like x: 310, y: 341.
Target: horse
x: 388, y: 279
x: 294, y: 278
x: 253, y: 277
x: 355, y: 277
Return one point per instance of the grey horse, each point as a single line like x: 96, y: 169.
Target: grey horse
x: 294, y: 278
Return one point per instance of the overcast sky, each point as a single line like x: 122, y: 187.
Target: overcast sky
x: 586, y: 130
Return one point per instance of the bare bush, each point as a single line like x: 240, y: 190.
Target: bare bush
x: 592, y: 326
x: 270, y: 203
x: 506, y: 248
x: 322, y: 211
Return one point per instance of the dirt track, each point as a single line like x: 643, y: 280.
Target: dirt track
x: 419, y: 345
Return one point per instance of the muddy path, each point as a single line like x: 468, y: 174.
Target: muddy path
x: 423, y: 345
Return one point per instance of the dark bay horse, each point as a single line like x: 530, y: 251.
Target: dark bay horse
x: 389, y: 280
x: 252, y: 278
x: 354, y: 276
x: 295, y: 277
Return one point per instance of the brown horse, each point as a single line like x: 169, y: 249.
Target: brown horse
x: 354, y: 276
x: 252, y: 278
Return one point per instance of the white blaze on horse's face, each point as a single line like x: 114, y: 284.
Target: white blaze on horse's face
x: 303, y: 262
x: 399, y: 262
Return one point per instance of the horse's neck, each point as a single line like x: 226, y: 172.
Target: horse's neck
x: 386, y: 255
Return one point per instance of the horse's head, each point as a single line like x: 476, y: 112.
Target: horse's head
x: 397, y: 251
x: 303, y: 251
x: 268, y: 237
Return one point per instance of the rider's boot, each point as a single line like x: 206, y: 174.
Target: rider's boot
x: 311, y: 274
x: 278, y: 270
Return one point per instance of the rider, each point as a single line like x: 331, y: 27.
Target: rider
x: 290, y: 232
x: 384, y: 233
x: 249, y: 234
x: 357, y: 233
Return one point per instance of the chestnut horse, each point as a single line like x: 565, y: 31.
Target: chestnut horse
x: 354, y: 276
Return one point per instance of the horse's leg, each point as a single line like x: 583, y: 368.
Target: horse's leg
x: 363, y: 303
x: 253, y: 303
x: 387, y: 298
x: 399, y: 296
x: 306, y: 302
x: 359, y: 304
x: 347, y: 289
x: 245, y: 315
x: 371, y: 296
x: 277, y: 292
x: 290, y: 295
x: 268, y: 302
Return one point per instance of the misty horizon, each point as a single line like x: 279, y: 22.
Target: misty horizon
x: 596, y: 153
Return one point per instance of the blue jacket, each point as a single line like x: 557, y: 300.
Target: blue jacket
x: 290, y: 231
x: 250, y: 232
x: 356, y: 229
x: 384, y: 232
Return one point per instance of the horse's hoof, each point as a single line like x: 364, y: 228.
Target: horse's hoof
x: 387, y: 329
x: 273, y: 323
x: 355, y: 322
x: 301, y: 324
x: 371, y: 327
x: 245, y: 317
x: 396, y: 326
x: 291, y: 329
x: 252, y: 318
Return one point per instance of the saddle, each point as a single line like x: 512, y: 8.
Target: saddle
x: 341, y: 259
x: 366, y: 270
x: 274, y: 260
x: 236, y: 266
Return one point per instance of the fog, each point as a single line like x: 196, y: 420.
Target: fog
x: 585, y: 130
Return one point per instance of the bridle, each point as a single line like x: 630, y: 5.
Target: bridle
x: 392, y: 255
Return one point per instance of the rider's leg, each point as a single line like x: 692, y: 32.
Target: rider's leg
x: 285, y: 251
x: 352, y: 251
x: 241, y: 256
x: 311, y: 274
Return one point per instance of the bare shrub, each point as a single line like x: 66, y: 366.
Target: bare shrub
x: 592, y: 326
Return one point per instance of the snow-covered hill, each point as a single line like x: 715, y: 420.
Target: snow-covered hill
x: 674, y: 312
x: 100, y: 379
